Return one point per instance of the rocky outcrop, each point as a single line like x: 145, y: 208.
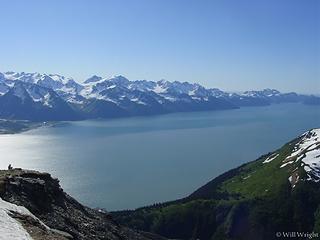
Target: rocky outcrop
x: 43, y: 196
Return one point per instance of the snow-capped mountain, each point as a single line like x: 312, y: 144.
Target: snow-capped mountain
x: 307, y: 151
x: 25, y: 100
x: 117, y: 96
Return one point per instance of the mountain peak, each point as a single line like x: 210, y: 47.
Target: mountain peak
x: 93, y: 79
x: 118, y: 76
x: 269, y: 91
x: 119, y: 79
x: 162, y: 81
x: 19, y: 91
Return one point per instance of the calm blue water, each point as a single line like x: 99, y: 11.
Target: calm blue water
x: 128, y: 163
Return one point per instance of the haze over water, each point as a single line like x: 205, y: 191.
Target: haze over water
x: 132, y: 162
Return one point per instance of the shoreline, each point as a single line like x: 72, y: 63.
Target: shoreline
x: 20, y: 126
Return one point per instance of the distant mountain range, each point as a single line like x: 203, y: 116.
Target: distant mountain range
x: 44, y: 97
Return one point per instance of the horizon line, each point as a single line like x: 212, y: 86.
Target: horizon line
x: 156, y: 81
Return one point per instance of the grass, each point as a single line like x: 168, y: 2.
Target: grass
x: 258, y: 179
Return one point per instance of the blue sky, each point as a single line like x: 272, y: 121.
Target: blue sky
x: 231, y: 44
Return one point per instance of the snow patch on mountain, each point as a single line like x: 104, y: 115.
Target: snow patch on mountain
x: 47, y: 99
x: 307, y: 150
x: 264, y: 93
x: 286, y: 163
x: 11, y: 228
x: 159, y: 89
x: 271, y: 158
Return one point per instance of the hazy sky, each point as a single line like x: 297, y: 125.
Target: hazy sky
x: 230, y: 44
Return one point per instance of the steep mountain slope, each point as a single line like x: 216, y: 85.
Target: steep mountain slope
x: 33, y: 206
x: 275, y: 194
x: 55, y: 97
x: 32, y: 102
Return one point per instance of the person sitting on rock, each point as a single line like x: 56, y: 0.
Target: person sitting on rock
x: 10, y: 167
